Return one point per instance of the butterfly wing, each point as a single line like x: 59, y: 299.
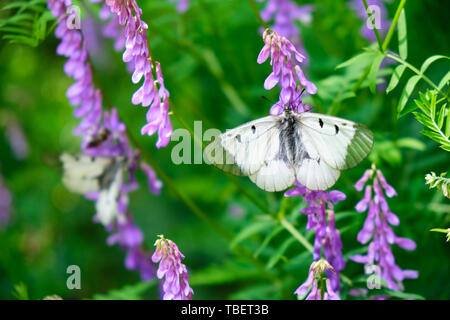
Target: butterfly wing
x: 241, y: 151
x: 106, y: 204
x: 82, y: 173
x: 341, y: 143
x: 253, y: 149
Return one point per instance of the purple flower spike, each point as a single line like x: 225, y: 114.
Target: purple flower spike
x: 377, y: 230
x: 319, y: 270
x: 321, y: 218
x: 285, y: 15
x: 285, y: 59
x: 176, y: 284
x: 137, y: 52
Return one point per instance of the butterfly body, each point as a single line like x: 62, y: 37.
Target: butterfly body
x: 274, y: 151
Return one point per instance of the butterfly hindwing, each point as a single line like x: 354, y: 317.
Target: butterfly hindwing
x: 341, y: 143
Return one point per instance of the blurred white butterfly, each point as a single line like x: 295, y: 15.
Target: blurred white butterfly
x: 274, y: 151
x: 84, y: 174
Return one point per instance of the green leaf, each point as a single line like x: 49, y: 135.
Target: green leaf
x: 225, y: 273
x: 267, y: 240
x: 447, y: 126
x: 21, y: 291
x: 128, y: 292
x: 444, y: 80
x: 251, y: 230
x: 407, y: 91
x: 398, y: 72
x: 402, y: 36
x: 374, y: 71
x: 360, y: 56
x: 430, y: 60
x: 403, y: 295
x: 411, y: 143
x: 279, y: 253
x: 441, y: 115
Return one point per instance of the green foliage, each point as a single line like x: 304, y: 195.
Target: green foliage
x: 446, y: 231
x: 27, y: 22
x: 439, y: 182
x: 128, y: 292
x: 435, y: 117
x: 20, y: 291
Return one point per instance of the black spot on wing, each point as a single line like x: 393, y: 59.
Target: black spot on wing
x: 253, y: 129
x: 238, y: 138
x: 336, y: 128
x: 321, y: 123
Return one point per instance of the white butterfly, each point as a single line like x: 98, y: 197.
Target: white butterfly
x: 84, y: 174
x: 274, y: 151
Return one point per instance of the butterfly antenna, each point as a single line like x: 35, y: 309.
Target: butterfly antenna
x: 267, y: 99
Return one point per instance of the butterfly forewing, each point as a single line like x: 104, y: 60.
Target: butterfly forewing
x: 341, y: 143
x: 242, y: 150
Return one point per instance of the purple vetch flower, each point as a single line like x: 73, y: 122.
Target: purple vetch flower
x: 103, y: 135
x: 182, y: 5
x: 152, y: 93
x: 318, y: 283
x: 382, y: 23
x: 377, y: 231
x: 285, y: 15
x: 82, y: 94
x: 285, y: 59
x: 176, y: 284
x: 321, y: 218
x: 5, y: 204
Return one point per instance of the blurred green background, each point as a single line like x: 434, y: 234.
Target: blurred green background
x: 208, y: 56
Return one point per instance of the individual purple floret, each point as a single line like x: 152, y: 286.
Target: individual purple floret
x: 285, y: 15
x: 318, y: 283
x: 322, y: 220
x: 378, y: 233
x: 285, y: 59
x: 138, y: 52
x: 176, y: 283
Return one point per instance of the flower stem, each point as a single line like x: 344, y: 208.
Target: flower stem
x: 391, y: 30
x: 372, y: 20
x: 257, y: 14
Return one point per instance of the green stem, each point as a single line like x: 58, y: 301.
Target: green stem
x: 385, y: 45
x: 257, y: 14
x: 372, y: 20
x: 297, y: 235
x: 391, y: 30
